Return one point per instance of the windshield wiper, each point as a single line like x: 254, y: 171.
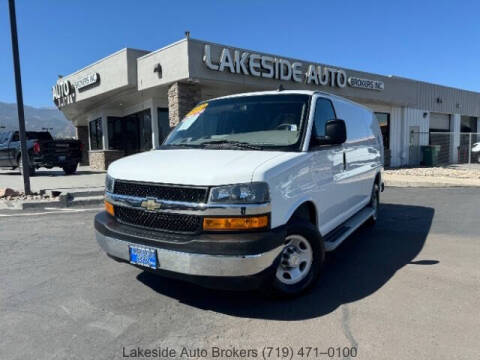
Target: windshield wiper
x: 238, y: 144
x: 186, y: 145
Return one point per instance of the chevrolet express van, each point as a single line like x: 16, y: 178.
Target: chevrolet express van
x: 250, y: 189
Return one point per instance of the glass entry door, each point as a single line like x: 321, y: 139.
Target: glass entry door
x: 132, y: 133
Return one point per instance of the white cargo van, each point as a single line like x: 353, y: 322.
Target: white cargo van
x: 248, y: 190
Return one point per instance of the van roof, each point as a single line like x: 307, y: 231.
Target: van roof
x: 280, y: 92
x: 270, y: 92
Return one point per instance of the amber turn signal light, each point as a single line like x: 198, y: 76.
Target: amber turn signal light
x: 109, y: 208
x: 235, y: 223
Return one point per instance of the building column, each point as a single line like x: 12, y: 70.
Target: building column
x: 105, y: 132
x: 454, y: 137
x: 154, y: 118
x: 397, y: 124
x: 82, y: 135
x: 182, y: 97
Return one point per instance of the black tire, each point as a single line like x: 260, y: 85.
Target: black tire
x: 274, y: 287
x: 20, y: 167
x: 70, y: 169
x: 375, y: 204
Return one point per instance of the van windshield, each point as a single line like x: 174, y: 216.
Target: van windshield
x: 251, y: 122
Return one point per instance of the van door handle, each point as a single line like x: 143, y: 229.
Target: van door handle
x: 344, y: 161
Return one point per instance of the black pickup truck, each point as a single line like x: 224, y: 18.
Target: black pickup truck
x: 43, y: 151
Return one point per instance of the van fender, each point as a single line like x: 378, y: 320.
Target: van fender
x: 294, y: 206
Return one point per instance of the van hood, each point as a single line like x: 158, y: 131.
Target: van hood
x: 202, y: 167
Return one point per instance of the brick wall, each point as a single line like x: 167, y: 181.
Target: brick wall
x: 182, y: 97
x: 100, y: 159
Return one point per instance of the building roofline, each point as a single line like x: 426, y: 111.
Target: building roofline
x: 149, y: 53
x: 126, y: 49
x: 433, y: 84
x: 162, y: 48
x: 342, y: 67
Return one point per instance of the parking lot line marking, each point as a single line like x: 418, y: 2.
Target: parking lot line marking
x: 65, y: 211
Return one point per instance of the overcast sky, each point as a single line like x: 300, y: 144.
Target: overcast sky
x: 435, y: 41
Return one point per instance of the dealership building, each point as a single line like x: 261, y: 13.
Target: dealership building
x: 128, y: 101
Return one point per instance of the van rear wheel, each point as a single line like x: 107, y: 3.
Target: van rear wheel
x: 374, y: 204
x: 299, y: 263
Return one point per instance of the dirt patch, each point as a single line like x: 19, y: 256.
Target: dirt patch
x: 437, y: 172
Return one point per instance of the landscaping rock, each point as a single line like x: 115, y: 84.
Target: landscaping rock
x: 7, y: 192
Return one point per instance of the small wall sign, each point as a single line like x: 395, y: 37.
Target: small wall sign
x: 366, y: 83
x: 86, y: 81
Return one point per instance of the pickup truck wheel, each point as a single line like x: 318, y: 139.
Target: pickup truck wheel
x: 70, y: 169
x: 20, y: 167
x: 374, y: 204
x: 300, y: 261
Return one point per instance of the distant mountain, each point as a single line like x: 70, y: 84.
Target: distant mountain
x: 36, y: 119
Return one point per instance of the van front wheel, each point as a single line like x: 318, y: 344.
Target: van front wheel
x: 299, y: 263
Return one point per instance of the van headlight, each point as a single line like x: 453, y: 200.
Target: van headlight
x: 109, y: 183
x: 249, y: 193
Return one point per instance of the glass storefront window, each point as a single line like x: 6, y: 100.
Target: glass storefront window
x: 468, y: 124
x: 96, y: 133
x: 163, y: 124
x: 115, y: 133
x: 384, y: 122
x: 145, y: 123
x: 131, y: 133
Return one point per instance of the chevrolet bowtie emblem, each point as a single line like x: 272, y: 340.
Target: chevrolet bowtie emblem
x: 150, y: 205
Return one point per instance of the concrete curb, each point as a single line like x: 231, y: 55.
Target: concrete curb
x: 425, y: 184
x: 422, y: 181
x: 64, y: 200
x: 34, y: 204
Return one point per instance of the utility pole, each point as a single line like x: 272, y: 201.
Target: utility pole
x: 18, y: 85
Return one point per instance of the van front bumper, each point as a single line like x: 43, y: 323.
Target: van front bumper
x: 210, y: 255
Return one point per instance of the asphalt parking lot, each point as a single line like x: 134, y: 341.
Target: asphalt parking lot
x: 407, y: 289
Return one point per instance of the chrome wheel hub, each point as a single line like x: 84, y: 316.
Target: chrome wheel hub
x: 296, y: 260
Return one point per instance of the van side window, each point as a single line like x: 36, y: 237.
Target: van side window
x: 15, y: 137
x: 323, y: 112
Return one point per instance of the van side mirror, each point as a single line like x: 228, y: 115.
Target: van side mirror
x: 335, y: 133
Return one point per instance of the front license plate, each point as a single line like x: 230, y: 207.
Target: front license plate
x: 143, y: 256
x: 62, y: 158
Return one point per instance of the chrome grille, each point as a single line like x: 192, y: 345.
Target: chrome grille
x: 158, y: 221
x: 161, y: 191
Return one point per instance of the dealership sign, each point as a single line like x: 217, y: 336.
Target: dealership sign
x: 63, y: 93
x: 269, y: 67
